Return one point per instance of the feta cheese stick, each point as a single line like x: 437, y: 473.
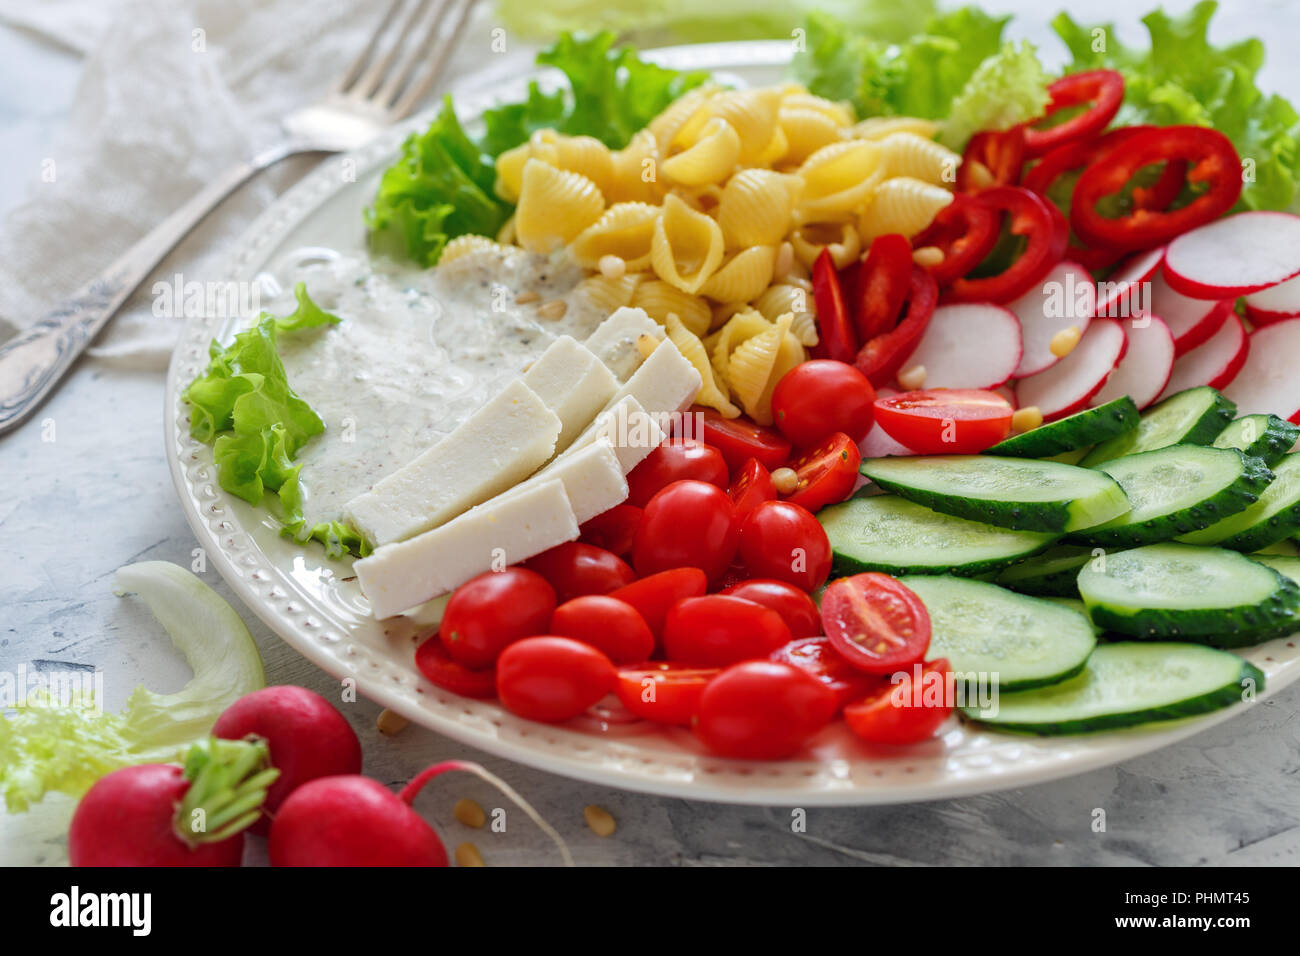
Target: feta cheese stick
x: 614, y: 340
x: 572, y: 382
x: 592, y: 477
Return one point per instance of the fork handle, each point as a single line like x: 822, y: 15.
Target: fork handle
x: 34, y: 361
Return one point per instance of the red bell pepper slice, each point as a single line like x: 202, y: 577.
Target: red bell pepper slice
x: 1211, y: 161
x: 1046, y: 232
x: 882, y: 356
x: 882, y: 283
x: 964, y: 231
x: 1159, y: 196
x: 1104, y: 89
x: 992, y: 159
x: 834, y: 326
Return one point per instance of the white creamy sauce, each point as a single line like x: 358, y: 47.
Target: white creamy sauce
x: 416, y: 353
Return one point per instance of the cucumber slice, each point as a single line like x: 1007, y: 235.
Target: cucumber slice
x: 1072, y: 457
x: 1053, y: 573
x: 1073, y: 432
x: 1273, y: 518
x: 1020, y: 493
x: 1263, y: 436
x: 1194, y: 416
x: 894, y: 535
x: 1126, y: 684
x: 995, y: 637
x: 1287, y: 548
x: 1288, y: 567
x: 1175, y: 591
x: 1178, y: 490
x: 1075, y: 604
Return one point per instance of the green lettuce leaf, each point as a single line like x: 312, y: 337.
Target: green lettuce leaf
x: 1004, y: 91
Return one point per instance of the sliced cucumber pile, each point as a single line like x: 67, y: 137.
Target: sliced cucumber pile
x: 1273, y: 518
x: 995, y: 637
x: 1053, y: 573
x: 1073, y: 433
x: 1261, y: 436
x: 1125, y: 684
x: 1018, y: 493
x: 1177, y: 490
x: 891, y: 534
x: 1284, y: 565
x: 1174, y: 591
x: 1195, y: 416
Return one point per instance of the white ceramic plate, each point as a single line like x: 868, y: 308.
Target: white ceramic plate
x: 317, y: 608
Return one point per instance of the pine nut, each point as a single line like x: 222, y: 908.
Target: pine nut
x: 390, y: 723
x: 1064, y: 341
x: 600, y: 821
x: 467, y: 854
x: 645, y: 344
x: 612, y: 267
x: 1026, y: 419
x: 469, y: 813
x: 912, y: 377
x: 554, y: 309
x: 927, y: 257
x: 785, y: 480
x: 981, y: 177
x: 527, y: 296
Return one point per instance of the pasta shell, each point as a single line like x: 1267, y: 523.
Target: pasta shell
x: 903, y: 205
x: 753, y: 365
x: 801, y: 99
x: 841, y: 239
x: 625, y: 230
x: 757, y: 207
x: 510, y: 171
x: 689, y: 344
x: 555, y: 205
x: 739, y: 329
x: 878, y: 127
x: 709, y: 160
x: 753, y: 115
x: 606, y: 294
x: 907, y: 154
x: 806, y: 131
x: 463, y: 246
x: 746, y: 275
x: 660, y: 300
x: 838, y: 180
x: 676, y: 115
x: 584, y: 155
x: 687, y: 246
x: 635, y: 171
x: 779, y: 299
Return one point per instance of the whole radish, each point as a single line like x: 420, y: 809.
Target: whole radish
x: 307, y: 737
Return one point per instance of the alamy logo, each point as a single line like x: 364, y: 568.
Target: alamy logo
x: 74, y: 908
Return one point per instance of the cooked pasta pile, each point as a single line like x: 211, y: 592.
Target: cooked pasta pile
x: 712, y: 216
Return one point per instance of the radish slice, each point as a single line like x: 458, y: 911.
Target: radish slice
x: 1066, y: 297
x: 968, y: 345
x: 1121, y: 295
x: 879, y: 443
x: 1144, y: 370
x: 1216, y: 363
x: 1066, y: 387
x: 1191, y: 321
x: 1235, y: 256
x: 1268, y: 383
x: 1274, y: 304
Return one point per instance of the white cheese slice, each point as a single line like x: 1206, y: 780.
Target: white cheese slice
x: 665, y: 384
x: 493, y: 450
x: 614, y: 340
x: 573, y: 383
x: 501, y: 532
x: 630, y: 430
x: 592, y: 476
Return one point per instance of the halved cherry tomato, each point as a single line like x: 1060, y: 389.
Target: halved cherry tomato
x: 717, y: 630
x: 677, y: 459
x: 818, y: 398
x: 612, y: 626
x: 687, y: 524
x: 837, y: 335
x: 875, y: 622
x: 796, y: 608
x: 1103, y: 89
x: 614, y: 530
x: 784, y: 541
x: 750, y: 488
x: 826, y: 474
x: 762, y: 710
x: 1045, y: 231
x: 965, y: 232
x: 816, y: 656
x: 654, y: 594
x: 906, y: 712
x: 740, y: 439
x: 992, y: 158
x: 882, y: 357
x: 881, y: 285
x: 662, y: 691
x: 490, y: 611
x: 436, y: 664
x: 551, y: 678
x: 575, y: 569
x: 946, y: 421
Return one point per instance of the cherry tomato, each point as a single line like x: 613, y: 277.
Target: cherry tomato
x: 739, y: 439
x: 687, y: 524
x: 762, y: 710
x: 614, y: 530
x: 607, y: 624
x: 654, y: 594
x: 492, y: 610
x: 436, y: 664
x: 785, y: 541
x: 575, y: 569
x: 818, y: 398
x: 662, y: 691
x: 751, y: 487
x: 676, y: 460
x: 946, y: 421
x: 906, y: 712
x: 875, y: 622
x: 827, y: 474
x: 796, y: 608
x: 816, y: 656
x: 717, y: 630
x: 551, y: 679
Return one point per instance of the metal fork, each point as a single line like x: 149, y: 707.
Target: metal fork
x: 383, y: 85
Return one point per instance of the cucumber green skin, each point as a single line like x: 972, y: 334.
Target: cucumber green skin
x: 1272, y: 444
x: 1277, y: 528
x: 1203, y: 431
x: 1028, y: 578
x: 843, y: 565
x: 1073, y: 432
x: 1238, y: 496
x: 1217, y: 699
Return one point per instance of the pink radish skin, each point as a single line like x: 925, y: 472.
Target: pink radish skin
x: 1120, y: 295
x: 1214, y: 363
x: 968, y: 345
x: 1066, y: 297
x: 128, y: 819
x: 878, y: 443
x: 1236, y: 255
x: 1268, y: 382
x: 1191, y: 321
x: 1144, y: 370
x: 1280, y: 302
x: 1066, y: 387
